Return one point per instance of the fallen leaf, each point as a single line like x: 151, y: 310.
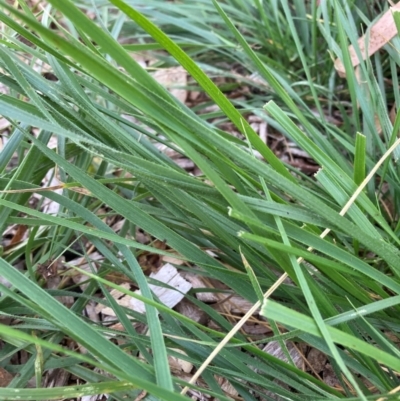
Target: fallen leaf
x: 174, y: 79
x: 177, y: 364
x: 378, y: 36
x: 168, y: 296
x: 5, y: 377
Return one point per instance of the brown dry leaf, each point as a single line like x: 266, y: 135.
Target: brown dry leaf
x: 177, y: 364
x: 235, y: 305
x: 378, y: 36
x: 200, y: 282
x: 274, y: 348
x: 48, y: 269
x: 226, y: 387
x: 52, y: 273
x: 117, y: 277
x: 192, y: 311
x: 5, y: 377
x: 56, y: 378
x: 256, y: 328
x: 330, y: 378
x: 172, y: 259
x: 150, y: 261
x: 316, y: 360
x: 173, y: 79
x: 119, y: 297
x: 392, y: 337
x: 19, y: 235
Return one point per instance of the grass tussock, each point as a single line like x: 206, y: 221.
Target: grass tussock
x: 272, y: 181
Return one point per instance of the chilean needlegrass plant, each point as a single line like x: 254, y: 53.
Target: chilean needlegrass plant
x: 256, y: 216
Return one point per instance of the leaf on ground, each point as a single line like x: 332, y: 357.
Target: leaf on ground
x: 178, y: 364
x: 174, y: 79
x: 170, y: 297
x: 378, y: 36
x: 5, y: 377
x: 192, y: 311
x: 226, y: 387
x: 235, y: 305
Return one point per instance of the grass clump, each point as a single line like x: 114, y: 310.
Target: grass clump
x: 81, y: 109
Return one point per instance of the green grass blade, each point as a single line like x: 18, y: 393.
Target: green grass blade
x: 206, y: 84
x: 293, y: 319
x: 359, y: 159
